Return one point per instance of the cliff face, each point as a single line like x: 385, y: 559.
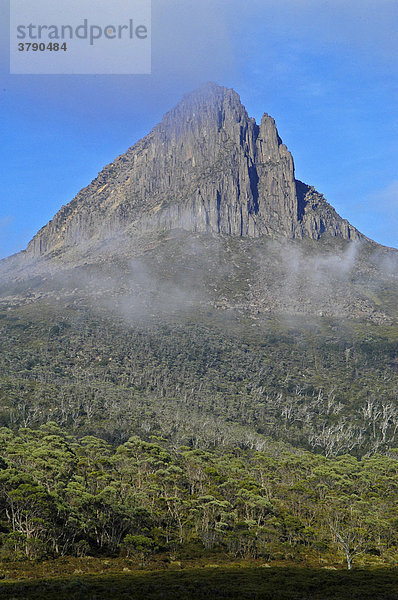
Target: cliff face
x: 207, y: 167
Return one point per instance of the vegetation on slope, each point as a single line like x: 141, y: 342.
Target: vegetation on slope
x: 60, y: 495
x: 205, y: 380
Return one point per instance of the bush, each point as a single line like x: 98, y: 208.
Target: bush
x: 138, y: 546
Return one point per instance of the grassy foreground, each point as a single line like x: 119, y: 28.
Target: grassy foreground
x: 240, y: 583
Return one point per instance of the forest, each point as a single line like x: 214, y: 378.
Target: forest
x: 60, y: 495
x: 187, y: 451
x: 324, y: 386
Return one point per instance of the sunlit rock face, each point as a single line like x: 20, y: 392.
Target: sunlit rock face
x: 207, y: 167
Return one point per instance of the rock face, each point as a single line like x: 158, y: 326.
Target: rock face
x: 207, y: 167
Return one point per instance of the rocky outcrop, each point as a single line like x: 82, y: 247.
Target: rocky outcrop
x: 207, y: 167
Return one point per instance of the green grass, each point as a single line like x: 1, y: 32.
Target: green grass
x: 207, y: 583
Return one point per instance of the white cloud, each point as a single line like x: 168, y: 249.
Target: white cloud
x: 382, y: 214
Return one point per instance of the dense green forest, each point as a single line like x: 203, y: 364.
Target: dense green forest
x: 178, y: 441
x: 60, y: 495
x: 205, y: 380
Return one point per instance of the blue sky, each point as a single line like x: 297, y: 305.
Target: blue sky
x: 327, y: 71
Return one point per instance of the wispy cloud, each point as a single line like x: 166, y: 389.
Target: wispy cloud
x: 387, y: 198
x: 383, y: 206
x: 5, y: 224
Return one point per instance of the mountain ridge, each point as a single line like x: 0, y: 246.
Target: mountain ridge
x: 206, y: 167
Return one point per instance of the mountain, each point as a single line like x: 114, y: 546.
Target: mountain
x: 199, y: 362
x: 206, y: 207
x: 207, y: 167
x: 195, y: 280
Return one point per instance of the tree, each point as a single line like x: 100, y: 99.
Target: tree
x: 138, y: 545
x: 350, y: 540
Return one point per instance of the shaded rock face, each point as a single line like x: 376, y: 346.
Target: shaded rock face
x: 207, y: 167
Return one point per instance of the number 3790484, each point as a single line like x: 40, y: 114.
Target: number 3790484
x: 41, y: 47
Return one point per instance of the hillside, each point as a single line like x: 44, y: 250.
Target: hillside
x: 199, y: 358
x: 256, y: 298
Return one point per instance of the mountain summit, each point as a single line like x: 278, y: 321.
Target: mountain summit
x: 207, y: 167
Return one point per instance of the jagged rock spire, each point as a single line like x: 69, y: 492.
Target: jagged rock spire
x: 206, y: 167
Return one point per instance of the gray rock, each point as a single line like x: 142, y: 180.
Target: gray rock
x: 207, y: 167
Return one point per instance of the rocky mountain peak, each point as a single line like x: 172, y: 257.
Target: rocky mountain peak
x: 209, y: 99
x: 206, y: 167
